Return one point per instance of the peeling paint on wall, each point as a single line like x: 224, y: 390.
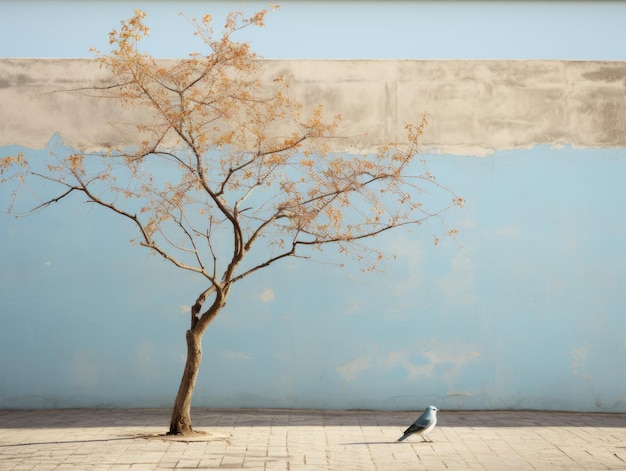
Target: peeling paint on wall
x: 476, y: 107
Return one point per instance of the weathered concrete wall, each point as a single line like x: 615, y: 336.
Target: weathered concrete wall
x: 476, y: 107
x: 527, y: 313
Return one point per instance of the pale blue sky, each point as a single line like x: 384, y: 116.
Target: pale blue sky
x: 590, y: 30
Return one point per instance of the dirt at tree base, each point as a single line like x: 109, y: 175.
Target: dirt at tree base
x: 194, y: 436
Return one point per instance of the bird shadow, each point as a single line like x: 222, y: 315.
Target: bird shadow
x: 394, y: 442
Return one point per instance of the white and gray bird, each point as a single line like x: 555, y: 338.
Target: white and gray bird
x: 423, y: 425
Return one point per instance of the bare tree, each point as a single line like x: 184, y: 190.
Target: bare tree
x: 214, y: 184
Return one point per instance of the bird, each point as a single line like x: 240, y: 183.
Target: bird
x: 423, y: 425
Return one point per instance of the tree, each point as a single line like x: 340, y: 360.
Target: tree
x: 215, y: 185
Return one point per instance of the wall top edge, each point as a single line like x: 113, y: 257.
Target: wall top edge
x: 389, y: 60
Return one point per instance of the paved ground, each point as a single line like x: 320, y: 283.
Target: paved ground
x: 310, y: 440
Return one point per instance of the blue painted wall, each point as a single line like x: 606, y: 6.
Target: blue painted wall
x: 529, y: 312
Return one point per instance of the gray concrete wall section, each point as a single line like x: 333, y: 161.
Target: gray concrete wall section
x: 476, y: 107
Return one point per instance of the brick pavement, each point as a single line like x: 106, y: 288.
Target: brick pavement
x: 294, y: 440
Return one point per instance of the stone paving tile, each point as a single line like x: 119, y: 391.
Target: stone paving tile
x: 255, y: 440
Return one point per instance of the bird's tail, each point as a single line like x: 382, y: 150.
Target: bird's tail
x: 402, y: 437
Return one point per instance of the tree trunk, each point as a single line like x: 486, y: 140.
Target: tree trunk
x: 181, y: 415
